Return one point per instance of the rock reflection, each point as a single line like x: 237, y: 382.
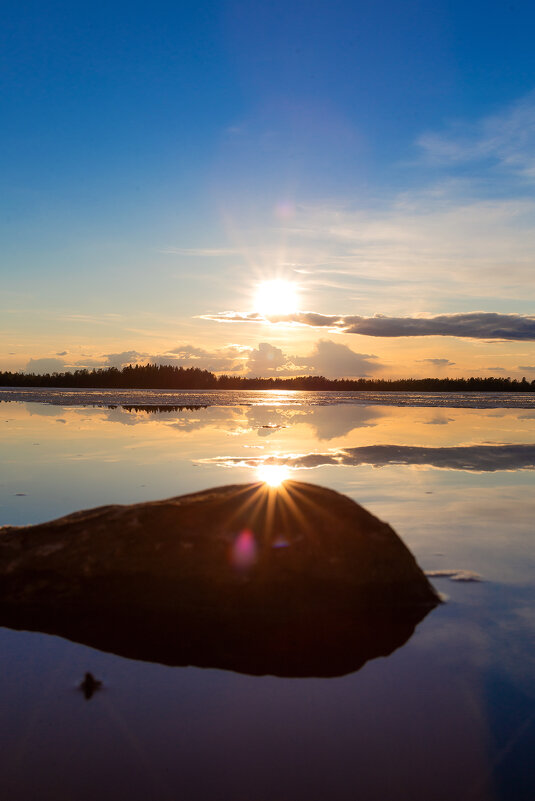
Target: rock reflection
x: 322, y: 641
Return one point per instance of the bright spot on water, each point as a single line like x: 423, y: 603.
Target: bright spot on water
x: 273, y: 474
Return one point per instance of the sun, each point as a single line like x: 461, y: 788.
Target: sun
x: 276, y: 297
x: 273, y: 474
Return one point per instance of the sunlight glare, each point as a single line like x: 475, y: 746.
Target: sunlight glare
x: 276, y: 297
x: 273, y: 474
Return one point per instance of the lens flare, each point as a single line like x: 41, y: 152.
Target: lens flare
x: 273, y: 474
x: 243, y: 554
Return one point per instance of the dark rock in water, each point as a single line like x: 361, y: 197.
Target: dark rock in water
x: 293, y: 581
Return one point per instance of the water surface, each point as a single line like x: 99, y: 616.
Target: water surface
x: 450, y: 714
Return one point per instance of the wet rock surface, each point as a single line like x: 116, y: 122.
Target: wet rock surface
x: 293, y: 581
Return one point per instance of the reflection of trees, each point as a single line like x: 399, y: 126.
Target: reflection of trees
x: 154, y: 376
x: 183, y: 418
x: 153, y: 409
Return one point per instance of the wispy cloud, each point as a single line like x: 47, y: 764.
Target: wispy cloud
x: 507, y: 138
x: 473, y: 325
x: 200, y: 251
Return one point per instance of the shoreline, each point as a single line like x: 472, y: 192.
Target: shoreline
x: 197, y: 398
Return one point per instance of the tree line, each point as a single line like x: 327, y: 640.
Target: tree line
x: 155, y: 376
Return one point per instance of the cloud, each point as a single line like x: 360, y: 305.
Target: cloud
x: 226, y: 359
x: 437, y: 362
x: 230, y: 359
x: 328, y: 358
x: 62, y: 353
x: 234, y: 317
x: 472, y: 325
x: 121, y: 359
x: 470, y: 458
x: 527, y: 367
x: 507, y: 139
x: 333, y: 360
x: 89, y: 363
x: 265, y: 359
x: 45, y: 365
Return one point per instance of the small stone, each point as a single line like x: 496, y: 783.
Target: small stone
x: 89, y: 686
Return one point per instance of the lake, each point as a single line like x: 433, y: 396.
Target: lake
x: 450, y: 714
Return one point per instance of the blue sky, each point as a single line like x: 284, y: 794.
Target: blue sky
x: 160, y: 160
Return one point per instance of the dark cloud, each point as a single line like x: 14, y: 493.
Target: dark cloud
x: 527, y: 367
x: 473, y: 325
x: 472, y: 458
x: 62, y: 353
x: 45, y: 366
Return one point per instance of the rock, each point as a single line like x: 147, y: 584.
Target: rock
x: 293, y: 581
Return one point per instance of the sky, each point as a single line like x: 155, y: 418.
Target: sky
x: 164, y: 163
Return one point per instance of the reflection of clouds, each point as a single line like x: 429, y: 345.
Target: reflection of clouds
x: 266, y: 430
x: 41, y: 410
x: 454, y: 574
x: 329, y: 424
x: 326, y: 424
x: 475, y: 458
x: 439, y: 420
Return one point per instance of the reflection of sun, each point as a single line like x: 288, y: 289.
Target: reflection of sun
x: 273, y: 474
x: 276, y: 297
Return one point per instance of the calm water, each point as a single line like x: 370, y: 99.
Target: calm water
x: 451, y: 714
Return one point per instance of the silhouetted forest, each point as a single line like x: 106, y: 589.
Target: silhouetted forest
x: 152, y: 376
